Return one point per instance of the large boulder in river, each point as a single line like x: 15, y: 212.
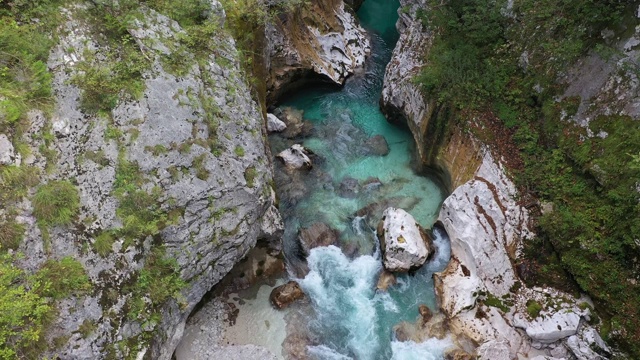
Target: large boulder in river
x: 406, y: 245
x: 318, y: 234
x: 296, y: 157
x: 283, y: 295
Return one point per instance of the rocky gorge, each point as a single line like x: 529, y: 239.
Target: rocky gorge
x: 176, y: 186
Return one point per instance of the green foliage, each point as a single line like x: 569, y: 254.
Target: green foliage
x: 140, y: 211
x: 493, y: 301
x: 15, y: 181
x: 159, y: 279
x: 104, y: 243
x: 56, y: 203
x: 11, y: 234
x: 25, y: 82
x: 250, y: 175
x: 60, y: 279
x: 116, y: 74
x: 198, y: 163
x: 486, y: 66
x: 239, y: 151
x: 533, y: 308
x: 23, y: 313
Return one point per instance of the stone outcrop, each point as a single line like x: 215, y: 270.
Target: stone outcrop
x: 8, y: 155
x: 295, y: 157
x: 405, y: 244
x: 283, y: 295
x: 321, y: 41
x: 216, y: 210
x: 274, y: 124
x: 318, y: 234
x: 479, y: 291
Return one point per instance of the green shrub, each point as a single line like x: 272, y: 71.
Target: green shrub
x: 24, y: 314
x: 56, y: 203
x: 239, y: 151
x: 59, y: 279
x: 15, y: 180
x: 250, y: 175
x: 533, y: 308
x: 11, y: 234
x: 104, y: 243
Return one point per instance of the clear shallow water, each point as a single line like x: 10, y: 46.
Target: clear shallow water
x: 351, y: 320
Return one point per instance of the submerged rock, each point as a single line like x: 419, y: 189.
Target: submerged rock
x: 377, y: 145
x: 295, y: 126
x: 349, y: 188
x: 425, y: 313
x: 405, y: 244
x: 318, y: 234
x: 296, y: 157
x: 283, y: 295
x: 274, y: 124
x: 386, y: 280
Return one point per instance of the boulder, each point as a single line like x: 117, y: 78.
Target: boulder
x: 377, y: 145
x: 274, y: 124
x: 283, y: 295
x: 7, y: 154
x: 386, y: 280
x: 405, y: 244
x: 318, y: 234
x: 296, y: 157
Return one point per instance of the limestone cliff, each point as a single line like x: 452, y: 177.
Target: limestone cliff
x: 480, y: 292
x: 320, y: 41
x: 206, y: 189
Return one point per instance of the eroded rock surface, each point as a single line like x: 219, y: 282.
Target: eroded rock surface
x: 216, y: 197
x: 318, y: 234
x: 321, y: 41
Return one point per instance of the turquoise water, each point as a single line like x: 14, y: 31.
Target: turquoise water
x: 351, y: 320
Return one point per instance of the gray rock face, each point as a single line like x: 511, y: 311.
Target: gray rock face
x: 219, y: 202
x: 404, y: 243
x: 7, y: 154
x: 321, y: 41
x: 401, y: 98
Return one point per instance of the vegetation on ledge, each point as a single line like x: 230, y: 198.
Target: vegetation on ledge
x: 490, y: 62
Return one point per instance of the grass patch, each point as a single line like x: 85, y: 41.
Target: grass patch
x: 198, y: 164
x: 103, y: 244
x: 239, y: 151
x: 56, y: 203
x: 250, y: 176
x: 60, y: 279
x: 11, y: 234
x: 533, y: 308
